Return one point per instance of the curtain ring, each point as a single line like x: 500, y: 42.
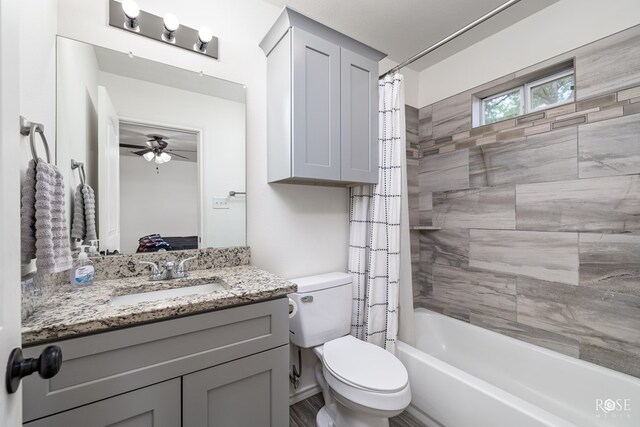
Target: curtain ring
x: 35, y: 128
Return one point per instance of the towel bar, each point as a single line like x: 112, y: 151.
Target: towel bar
x: 29, y: 129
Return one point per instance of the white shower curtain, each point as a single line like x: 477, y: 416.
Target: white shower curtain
x: 374, y: 242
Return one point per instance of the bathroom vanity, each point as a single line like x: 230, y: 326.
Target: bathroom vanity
x: 189, y: 360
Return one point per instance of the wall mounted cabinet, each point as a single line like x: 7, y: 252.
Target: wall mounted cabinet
x: 322, y: 104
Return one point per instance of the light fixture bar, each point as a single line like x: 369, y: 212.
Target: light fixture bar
x: 152, y: 26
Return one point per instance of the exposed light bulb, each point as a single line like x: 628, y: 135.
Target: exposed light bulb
x: 149, y: 156
x: 171, y: 24
x: 204, y: 37
x: 131, y: 14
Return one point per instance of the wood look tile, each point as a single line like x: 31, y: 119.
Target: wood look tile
x: 610, y: 262
x: 594, y: 317
x: 546, y: 157
x: 606, y: 114
x: 607, y: 204
x: 449, y: 246
x: 425, y: 128
x: 493, y: 294
x: 443, y: 172
x: 546, y: 256
x: 425, y: 201
x: 452, y: 115
x: 629, y: 93
x: 492, y: 208
x: 610, y: 147
x: 551, y: 340
x: 616, y: 360
x: 608, y: 64
x: 411, y: 118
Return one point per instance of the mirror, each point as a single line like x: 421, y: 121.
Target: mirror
x: 161, y: 147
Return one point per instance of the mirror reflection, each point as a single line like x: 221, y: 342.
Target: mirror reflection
x: 161, y: 147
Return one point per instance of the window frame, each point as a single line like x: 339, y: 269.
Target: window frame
x: 519, y: 89
x: 525, y: 95
x: 530, y: 85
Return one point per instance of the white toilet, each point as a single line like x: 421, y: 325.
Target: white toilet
x: 362, y: 384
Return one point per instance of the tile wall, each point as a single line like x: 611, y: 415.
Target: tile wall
x: 539, y: 215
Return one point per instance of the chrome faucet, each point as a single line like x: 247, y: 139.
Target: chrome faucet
x: 168, y: 272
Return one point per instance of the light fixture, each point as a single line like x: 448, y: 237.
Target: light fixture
x: 128, y: 16
x: 131, y: 14
x: 169, y: 28
x: 149, y: 156
x: 165, y: 157
x: 204, y: 37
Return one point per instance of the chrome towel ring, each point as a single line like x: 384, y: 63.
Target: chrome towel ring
x: 30, y: 129
x: 80, y: 167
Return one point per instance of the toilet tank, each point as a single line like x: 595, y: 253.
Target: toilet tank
x: 324, y: 309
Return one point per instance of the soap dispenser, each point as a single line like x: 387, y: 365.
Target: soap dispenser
x: 82, y: 273
x: 93, y: 249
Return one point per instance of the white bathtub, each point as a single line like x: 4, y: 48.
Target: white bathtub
x: 462, y: 376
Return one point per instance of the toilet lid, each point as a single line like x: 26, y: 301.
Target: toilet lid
x: 364, y: 365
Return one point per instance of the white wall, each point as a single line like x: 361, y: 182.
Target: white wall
x: 37, y: 89
x: 561, y: 27
x: 165, y: 202
x: 221, y: 124
x: 292, y: 230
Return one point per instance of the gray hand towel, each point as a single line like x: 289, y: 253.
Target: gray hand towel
x: 43, y: 206
x: 28, y: 215
x: 78, y: 224
x: 89, y: 199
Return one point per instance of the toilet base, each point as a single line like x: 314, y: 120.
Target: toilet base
x: 323, y: 419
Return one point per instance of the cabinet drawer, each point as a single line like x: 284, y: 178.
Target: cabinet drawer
x: 153, y: 406
x: 100, y: 366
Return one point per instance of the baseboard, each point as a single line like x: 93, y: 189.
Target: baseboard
x: 303, y: 394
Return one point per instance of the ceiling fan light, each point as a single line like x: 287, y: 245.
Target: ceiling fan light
x: 165, y: 157
x: 148, y: 156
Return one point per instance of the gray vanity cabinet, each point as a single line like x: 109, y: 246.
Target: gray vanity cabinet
x: 223, y: 365
x: 235, y: 394
x: 154, y: 406
x: 322, y: 104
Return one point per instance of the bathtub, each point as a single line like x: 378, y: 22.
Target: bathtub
x: 462, y: 376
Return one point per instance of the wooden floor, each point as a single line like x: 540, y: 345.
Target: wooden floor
x: 303, y: 414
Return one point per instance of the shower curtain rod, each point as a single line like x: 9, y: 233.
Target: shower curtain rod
x: 447, y: 39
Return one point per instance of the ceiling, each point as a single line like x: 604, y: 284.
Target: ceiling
x: 136, y: 134
x: 402, y: 28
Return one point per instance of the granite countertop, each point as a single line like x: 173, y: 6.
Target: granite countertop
x: 68, y: 313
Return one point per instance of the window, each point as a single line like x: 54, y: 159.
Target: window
x: 532, y: 96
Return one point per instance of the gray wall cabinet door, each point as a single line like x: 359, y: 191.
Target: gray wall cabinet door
x: 316, y: 107
x: 359, y: 118
x: 153, y: 406
x: 248, y: 392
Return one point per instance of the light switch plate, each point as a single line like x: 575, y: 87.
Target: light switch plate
x: 220, y: 203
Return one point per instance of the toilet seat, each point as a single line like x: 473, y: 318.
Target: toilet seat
x: 364, y: 365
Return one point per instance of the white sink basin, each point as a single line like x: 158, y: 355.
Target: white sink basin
x: 164, y: 294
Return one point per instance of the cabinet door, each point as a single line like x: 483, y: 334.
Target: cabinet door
x: 153, y: 406
x: 359, y: 123
x: 316, y: 107
x: 248, y: 392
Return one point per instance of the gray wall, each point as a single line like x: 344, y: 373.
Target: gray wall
x: 540, y: 215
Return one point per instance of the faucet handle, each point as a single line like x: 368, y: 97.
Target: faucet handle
x: 155, y: 271
x: 182, y: 267
x: 169, y: 265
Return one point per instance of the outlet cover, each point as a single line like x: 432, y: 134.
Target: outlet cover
x: 220, y: 203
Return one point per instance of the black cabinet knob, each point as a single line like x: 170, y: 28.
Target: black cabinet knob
x: 47, y: 366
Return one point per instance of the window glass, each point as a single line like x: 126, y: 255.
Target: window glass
x: 552, y: 92
x: 502, y: 106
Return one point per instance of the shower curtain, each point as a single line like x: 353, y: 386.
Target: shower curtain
x: 374, y: 241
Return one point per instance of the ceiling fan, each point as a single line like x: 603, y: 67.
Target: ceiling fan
x: 156, y: 149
